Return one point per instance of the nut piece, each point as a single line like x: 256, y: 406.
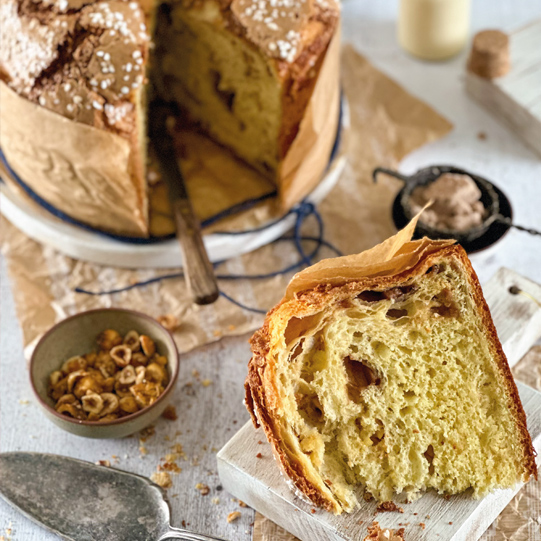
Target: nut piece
x: 127, y: 376
x: 233, y: 516
x: 121, y: 355
x: 140, y: 374
x: 72, y: 410
x: 169, y: 321
x: 108, y: 339
x: 59, y: 389
x: 132, y: 341
x: 146, y: 393
x: 160, y: 359
x: 85, y: 385
x: 105, y: 364
x: 92, y: 403
x: 67, y: 399
x: 155, y: 373
x: 128, y: 404
x: 54, y: 378
x: 74, y: 377
x: 110, y: 417
x: 108, y: 384
x: 73, y: 364
x: 162, y: 479
x: 111, y: 404
x: 139, y: 359
x: 148, y: 345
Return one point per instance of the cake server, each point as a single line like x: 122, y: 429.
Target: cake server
x: 198, y: 269
x: 80, y: 501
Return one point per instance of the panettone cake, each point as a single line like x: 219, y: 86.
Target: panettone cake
x: 74, y: 80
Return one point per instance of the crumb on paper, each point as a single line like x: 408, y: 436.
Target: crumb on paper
x: 105, y: 463
x: 146, y: 433
x: 170, y: 413
x: 169, y: 321
x: 161, y: 478
x: 233, y: 516
x: 143, y: 450
x: 203, y: 489
x: 206, y: 382
x: 215, y: 501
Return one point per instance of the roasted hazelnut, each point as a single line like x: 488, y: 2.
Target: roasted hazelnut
x: 91, y: 358
x: 110, y: 404
x: 109, y: 384
x: 140, y: 374
x: 109, y: 417
x: 86, y: 384
x: 92, y: 403
x: 132, y: 341
x: 127, y: 375
x: 105, y: 364
x: 121, y: 355
x: 74, y: 377
x: 60, y: 389
x: 160, y: 359
x: 67, y: 399
x: 128, y: 404
x: 72, y: 410
x: 74, y: 364
x: 138, y: 359
x: 108, y: 339
x: 147, y: 344
x: 122, y: 390
x: 146, y: 393
x: 55, y: 377
x: 155, y: 373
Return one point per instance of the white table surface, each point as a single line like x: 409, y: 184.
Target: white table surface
x: 208, y: 416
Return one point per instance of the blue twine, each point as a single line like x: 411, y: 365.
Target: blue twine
x: 302, y: 211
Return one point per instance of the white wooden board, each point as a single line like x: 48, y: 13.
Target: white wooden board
x: 516, y: 97
x: 258, y: 482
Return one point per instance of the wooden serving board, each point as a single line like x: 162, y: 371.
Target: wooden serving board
x: 516, y: 97
x: 258, y: 482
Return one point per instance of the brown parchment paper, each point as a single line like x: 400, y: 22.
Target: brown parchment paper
x: 519, y: 521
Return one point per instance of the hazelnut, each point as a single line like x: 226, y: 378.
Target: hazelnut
x: 148, y: 345
x: 60, y: 389
x: 86, y: 384
x: 128, y: 404
x: 72, y: 410
x: 108, y: 339
x: 55, y: 377
x: 139, y: 359
x: 74, y: 364
x: 132, y: 341
x: 121, y: 355
x: 127, y: 376
x: 155, y: 373
x: 146, y: 393
x: 92, y: 403
x: 74, y: 377
x: 110, y: 404
x: 67, y: 399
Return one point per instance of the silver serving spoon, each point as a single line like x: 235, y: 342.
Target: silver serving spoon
x: 80, y: 501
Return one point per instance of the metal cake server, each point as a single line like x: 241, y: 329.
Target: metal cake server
x: 80, y: 501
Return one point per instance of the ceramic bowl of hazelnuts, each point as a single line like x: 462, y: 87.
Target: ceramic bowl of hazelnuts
x: 105, y: 373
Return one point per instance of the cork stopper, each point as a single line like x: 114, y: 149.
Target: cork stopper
x: 489, y: 57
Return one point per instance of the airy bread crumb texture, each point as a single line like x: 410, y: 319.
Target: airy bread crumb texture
x: 398, y: 390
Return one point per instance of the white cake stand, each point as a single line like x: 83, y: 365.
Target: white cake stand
x: 94, y: 247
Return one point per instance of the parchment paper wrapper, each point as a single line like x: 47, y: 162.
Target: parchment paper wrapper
x: 102, y: 188
x: 520, y: 520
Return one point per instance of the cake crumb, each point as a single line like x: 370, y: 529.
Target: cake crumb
x: 422, y: 524
x: 376, y: 533
x: 203, y: 489
x: 233, y: 516
x: 169, y: 321
x: 105, y: 463
x: 242, y: 504
x: 368, y: 497
x: 143, y: 450
x: 388, y: 507
x: 259, y: 455
x: 162, y: 478
x: 146, y: 433
x: 206, y: 382
x: 170, y: 413
x: 215, y: 501
x: 171, y: 467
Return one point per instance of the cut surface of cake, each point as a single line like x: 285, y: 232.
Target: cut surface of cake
x: 78, y: 73
x: 383, y: 370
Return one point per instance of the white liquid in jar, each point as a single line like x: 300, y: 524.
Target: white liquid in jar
x: 433, y: 29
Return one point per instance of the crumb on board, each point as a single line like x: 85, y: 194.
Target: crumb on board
x: 146, y: 433
x: 259, y: 455
x: 161, y: 478
x: 388, y: 507
x: 169, y: 321
x: 103, y: 463
x: 170, y: 413
x: 206, y: 382
x: 203, y: 489
x: 422, y: 524
x: 242, y: 504
x: 143, y: 450
x: 215, y: 501
x: 170, y: 467
x: 195, y: 373
x: 233, y: 516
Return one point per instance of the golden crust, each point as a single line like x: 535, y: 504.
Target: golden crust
x: 260, y: 399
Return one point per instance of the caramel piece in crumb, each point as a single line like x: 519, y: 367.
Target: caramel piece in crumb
x: 170, y: 413
x: 233, y: 516
x: 259, y: 455
x: 203, y: 489
x: 162, y: 479
x: 388, y: 507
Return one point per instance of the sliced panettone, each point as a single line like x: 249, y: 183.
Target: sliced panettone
x: 384, y: 370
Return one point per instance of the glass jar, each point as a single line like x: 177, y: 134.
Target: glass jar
x: 433, y: 29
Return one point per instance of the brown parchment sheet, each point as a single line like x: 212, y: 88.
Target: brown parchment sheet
x: 519, y: 521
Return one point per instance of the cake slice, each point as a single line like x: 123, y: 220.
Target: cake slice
x: 384, y: 370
